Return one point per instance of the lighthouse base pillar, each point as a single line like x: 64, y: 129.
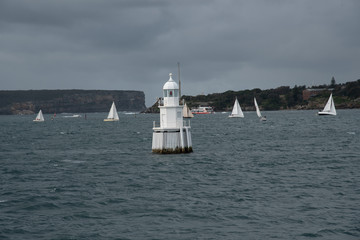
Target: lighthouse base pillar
x: 169, y: 141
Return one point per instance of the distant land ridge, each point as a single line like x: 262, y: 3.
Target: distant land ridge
x: 346, y: 96
x: 69, y: 101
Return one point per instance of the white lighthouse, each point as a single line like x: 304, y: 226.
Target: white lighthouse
x: 172, y: 135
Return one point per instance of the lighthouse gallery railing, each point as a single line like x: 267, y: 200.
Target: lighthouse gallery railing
x: 185, y: 124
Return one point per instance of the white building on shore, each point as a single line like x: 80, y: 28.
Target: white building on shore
x: 172, y: 134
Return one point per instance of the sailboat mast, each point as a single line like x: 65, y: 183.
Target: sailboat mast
x: 179, y: 81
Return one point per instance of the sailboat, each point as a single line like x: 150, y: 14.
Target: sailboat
x: 186, y: 112
x: 262, y: 118
x: 329, y: 108
x: 113, y: 115
x: 236, y: 112
x: 39, y: 117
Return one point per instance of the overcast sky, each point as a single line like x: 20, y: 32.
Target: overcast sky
x: 134, y: 44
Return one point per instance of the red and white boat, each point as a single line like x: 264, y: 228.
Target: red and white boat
x: 202, y: 110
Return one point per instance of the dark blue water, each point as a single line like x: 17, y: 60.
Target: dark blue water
x: 296, y: 176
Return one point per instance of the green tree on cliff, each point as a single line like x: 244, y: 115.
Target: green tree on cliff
x: 332, y: 83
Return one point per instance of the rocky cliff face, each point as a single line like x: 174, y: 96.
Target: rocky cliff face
x: 70, y: 101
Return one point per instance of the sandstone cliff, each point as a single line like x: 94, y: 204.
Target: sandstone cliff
x: 70, y: 101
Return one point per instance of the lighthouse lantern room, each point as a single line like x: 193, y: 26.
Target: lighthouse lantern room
x: 172, y: 135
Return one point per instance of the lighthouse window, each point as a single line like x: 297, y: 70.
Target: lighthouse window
x: 165, y: 93
x: 171, y: 93
x: 176, y: 93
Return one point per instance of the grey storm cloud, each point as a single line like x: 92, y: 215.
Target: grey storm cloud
x: 221, y: 44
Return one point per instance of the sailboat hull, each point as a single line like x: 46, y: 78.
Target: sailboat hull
x: 38, y: 120
x: 326, y: 113
x: 110, y: 120
x: 235, y: 116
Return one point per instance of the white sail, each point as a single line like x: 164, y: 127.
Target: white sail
x: 262, y: 118
x: 237, y: 112
x: 39, y: 117
x: 113, y: 115
x: 257, y: 108
x: 186, y: 112
x: 329, y: 108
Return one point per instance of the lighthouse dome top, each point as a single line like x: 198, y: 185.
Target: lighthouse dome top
x: 170, y: 84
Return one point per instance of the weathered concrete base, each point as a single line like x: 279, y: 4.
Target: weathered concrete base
x: 168, y: 141
x: 173, y: 151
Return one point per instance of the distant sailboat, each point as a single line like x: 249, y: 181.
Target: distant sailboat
x: 258, y: 111
x: 236, y: 112
x: 186, y: 112
x: 39, y: 117
x: 73, y: 116
x: 113, y: 115
x: 329, y: 108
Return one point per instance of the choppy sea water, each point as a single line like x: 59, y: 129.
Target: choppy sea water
x: 296, y: 176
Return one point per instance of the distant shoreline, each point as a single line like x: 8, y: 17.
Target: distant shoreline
x: 25, y: 102
x: 346, y: 96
